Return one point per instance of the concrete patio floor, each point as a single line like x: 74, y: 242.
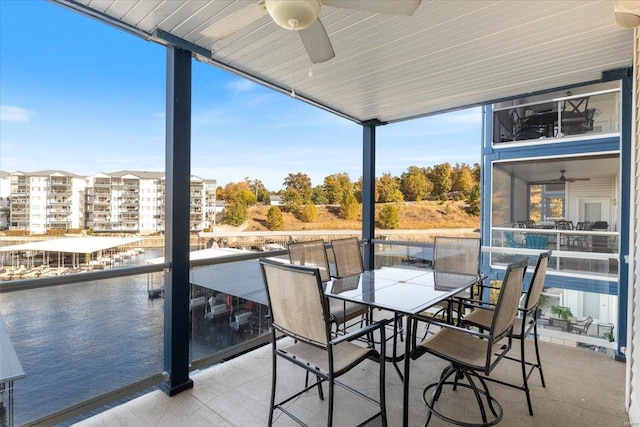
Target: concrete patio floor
x: 583, y: 388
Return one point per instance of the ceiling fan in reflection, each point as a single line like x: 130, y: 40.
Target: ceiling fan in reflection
x: 561, y: 180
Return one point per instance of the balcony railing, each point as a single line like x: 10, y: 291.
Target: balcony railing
x: 125, y: 305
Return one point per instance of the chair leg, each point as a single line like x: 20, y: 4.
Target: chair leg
x: 330, y: 406
x: 273, y: 381
x: 523, y: 365
x: 535, y: 342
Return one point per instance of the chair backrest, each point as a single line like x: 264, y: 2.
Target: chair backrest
x: 584, y: 225
x: 311, y: 254
x: 507, y: 305
x: 459, y: 255
x: 537, y: 283
x: 536, y: 241
x: 600, y: 225
x: 347, y: 255
x: 564, y: 225
x: 296, y: 300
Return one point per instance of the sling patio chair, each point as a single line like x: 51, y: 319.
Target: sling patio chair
x: 299, y: 310
x: 473, y: 355
x: 313, y: 254
x: 525, y: 323
x: 347, y: 256
x: 453, y: 256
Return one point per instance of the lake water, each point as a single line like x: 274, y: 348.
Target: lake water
x: 78, y: 341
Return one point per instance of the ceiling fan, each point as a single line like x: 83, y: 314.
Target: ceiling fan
x: 302, y: 16
x: 561, y: 180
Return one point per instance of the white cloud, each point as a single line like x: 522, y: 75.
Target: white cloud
x: 241, y: 85
x: 9, y: 113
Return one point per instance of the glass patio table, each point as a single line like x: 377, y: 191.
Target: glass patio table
x: 405, y: 291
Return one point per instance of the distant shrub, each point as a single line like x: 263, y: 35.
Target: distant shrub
x: 74, y: 231
x: 389, y: 217
x: 309, y: 212
x: 235, y: 213
x: 89, y: 232
x: 17, y: 233
x: 473, y: 201
x: 349, y: 207
x: 275, y: 220
x: 55, y: 232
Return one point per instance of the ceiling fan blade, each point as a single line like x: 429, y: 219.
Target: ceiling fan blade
x: 578, y: 179
x: 236, y: 21
x: 317, y: 43
x: 395, y: 7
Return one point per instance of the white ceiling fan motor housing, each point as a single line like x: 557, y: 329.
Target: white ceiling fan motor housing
x: 293, y: 14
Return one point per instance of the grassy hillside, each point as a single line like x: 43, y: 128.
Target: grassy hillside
x: 418, y: 215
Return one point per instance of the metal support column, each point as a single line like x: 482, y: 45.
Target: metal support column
x: 626, y: 147
x: 368, y: 189
x: 176, y: 246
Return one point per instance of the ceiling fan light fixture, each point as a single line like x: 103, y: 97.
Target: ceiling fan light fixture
x: 293, y: 14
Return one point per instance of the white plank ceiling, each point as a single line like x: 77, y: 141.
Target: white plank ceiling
x: 448, y: 55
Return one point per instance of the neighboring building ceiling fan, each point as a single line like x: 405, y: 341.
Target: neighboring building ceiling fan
x: 561, y: 180
x: 302, y: 16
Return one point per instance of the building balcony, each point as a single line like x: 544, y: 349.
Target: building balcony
x: 583, y: 387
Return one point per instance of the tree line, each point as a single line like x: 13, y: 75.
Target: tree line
x: 300, y: 196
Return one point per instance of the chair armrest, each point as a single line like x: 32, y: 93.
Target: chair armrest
x: 361, y: 332
x: 450, y: 326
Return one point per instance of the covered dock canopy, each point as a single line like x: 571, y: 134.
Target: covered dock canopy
x: 78, y: 245
x: 242, y: 279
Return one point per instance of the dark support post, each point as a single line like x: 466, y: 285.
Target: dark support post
x: 368, y: 189
x: 176, y: 243
x: 626, y: 146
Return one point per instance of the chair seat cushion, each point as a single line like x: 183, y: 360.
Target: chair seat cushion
x: 345, y: 355
x: 458, y: 347
x: 342, y: 311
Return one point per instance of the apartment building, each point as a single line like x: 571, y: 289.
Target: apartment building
x: 46, y: 200
x: 133, y: 202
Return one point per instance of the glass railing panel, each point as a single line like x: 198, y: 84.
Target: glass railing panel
x: 389, y: 254
x: 585, y: 115
x: 80, y: 341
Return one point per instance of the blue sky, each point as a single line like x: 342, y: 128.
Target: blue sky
x: 81, y: 96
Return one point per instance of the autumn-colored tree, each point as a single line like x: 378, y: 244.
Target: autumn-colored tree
x: 389, y: 217
x: 275, y: 220
x: 388, y: 187
x: 349, y: 207
x: 239, y: 191
x: 258, y: 188
x: 414, y: 184
x: 309, y: 212
x: 462, y: 179
x: 336, y: 185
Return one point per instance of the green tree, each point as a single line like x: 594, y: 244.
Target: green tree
x: 473, y: 201
x: 336, y: 185
x: 349, y: 207
x: 275, y: 220
x: 297, y: 191
x: 389, y: 217
x: 235, y: 213
x: 258, y: 188
x: 414, y: 184
x: 388, y: 189
x: 440, y: 176
x: 309, y: 212
x: 317, y: 196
